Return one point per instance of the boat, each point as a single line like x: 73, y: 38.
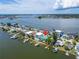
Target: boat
x: 36, y: 44
x: 13, y: 37
x: 25, y: 40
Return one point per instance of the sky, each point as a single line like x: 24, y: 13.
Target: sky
x: 39, y: 7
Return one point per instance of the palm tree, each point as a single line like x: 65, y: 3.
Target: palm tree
x: 76, y: 37
x: 16, y: 25
x: 8, y: 24
x: 2, y: 24
x: 49, y: 40
x: 54, y: 36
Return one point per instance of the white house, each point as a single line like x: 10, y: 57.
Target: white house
x: 77, y: 50
x: 40, y: 36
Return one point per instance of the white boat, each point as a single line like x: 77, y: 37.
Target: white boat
x: 25, y: 40
x: 67, y: 53
x: 13, y: 37
x: 36, y: 44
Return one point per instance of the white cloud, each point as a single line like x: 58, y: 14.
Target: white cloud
x: 66, y: 4
x: 27, y: 6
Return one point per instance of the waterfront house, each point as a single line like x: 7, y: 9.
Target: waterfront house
x: 28, y: 32
x: 18, y: 29
x: 64, y: 37
x: 59, y: 33
x: 77, y: 50
x: 40, y: 36
x: 12, y: 29
x: 59, y: 43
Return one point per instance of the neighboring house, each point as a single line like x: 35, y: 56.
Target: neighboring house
x: 77, y: 49
x: 29, y: 32
x: 59, y: 43
x: 40, y: 36
x: 59, y: 33
x: 64, y: 37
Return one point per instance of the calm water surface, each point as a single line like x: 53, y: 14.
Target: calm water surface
x: 66, y: 25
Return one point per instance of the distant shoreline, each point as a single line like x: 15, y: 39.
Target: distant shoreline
x: 41, y: 15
